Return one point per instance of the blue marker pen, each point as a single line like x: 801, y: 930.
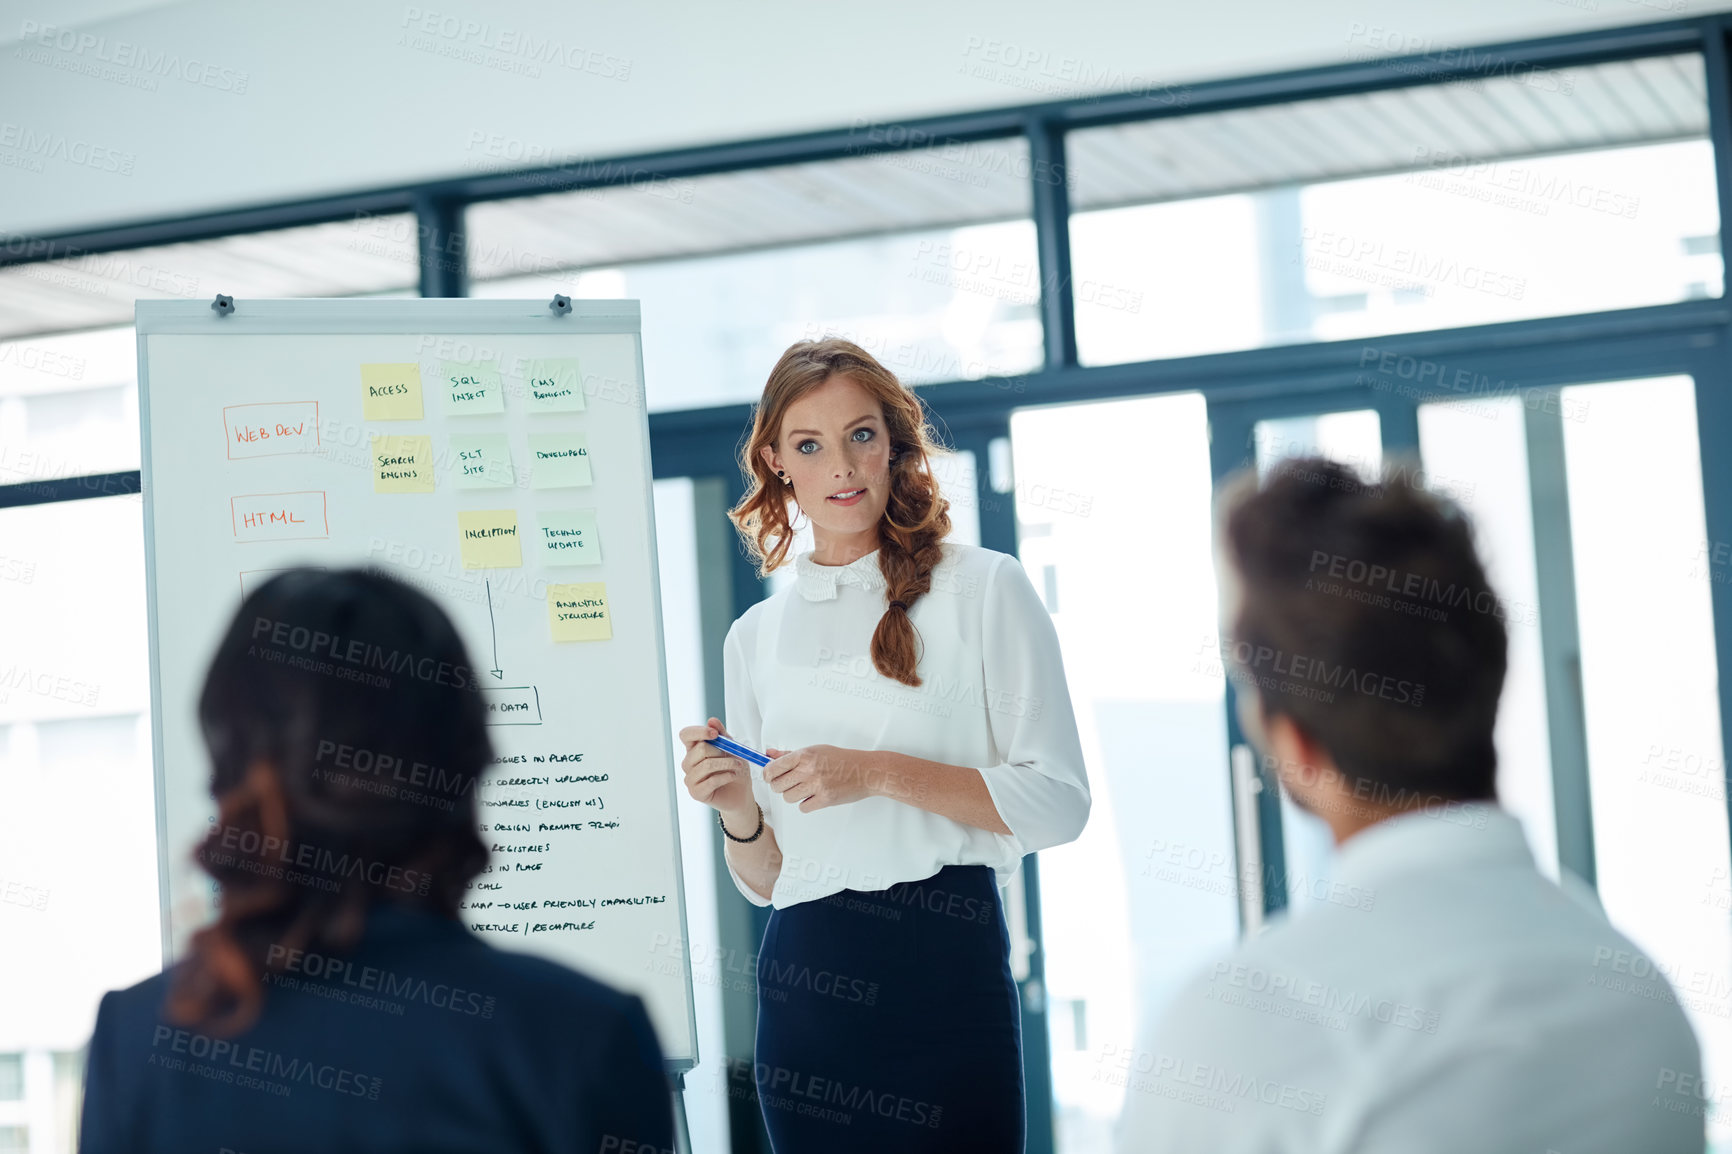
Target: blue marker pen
x: 738, y: 750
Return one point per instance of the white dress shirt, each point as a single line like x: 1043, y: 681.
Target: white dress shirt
x: 798, y: 671
x: 1453, y: 1001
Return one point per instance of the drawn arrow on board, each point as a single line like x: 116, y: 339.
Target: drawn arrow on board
x: 494, y: 628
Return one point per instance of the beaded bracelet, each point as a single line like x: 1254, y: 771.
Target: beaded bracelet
x: 756, y: 834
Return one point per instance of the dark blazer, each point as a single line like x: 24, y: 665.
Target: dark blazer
x: 424, y: 1038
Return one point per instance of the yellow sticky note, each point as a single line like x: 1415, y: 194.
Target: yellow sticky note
x: 488, y: 538
x: 555, y: 385
x: 579, y: 612
x: 558, y: 460
x: 481, y: 461
x: 471, y: 388
x: 402, y: 464
x: 569, y: 537
x: 391, y: 392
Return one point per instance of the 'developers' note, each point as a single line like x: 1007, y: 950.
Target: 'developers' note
x: 568, y: 537
x: 579, y: 612
x: 488, y: 539
x: 558, y: 460
x: 555, y: 385
x: 402, y: 464
x: 391, y: 392
x: 482, y: 461
x: 471, y: 388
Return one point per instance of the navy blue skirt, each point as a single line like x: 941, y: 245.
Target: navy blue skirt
x: 888, y: 1021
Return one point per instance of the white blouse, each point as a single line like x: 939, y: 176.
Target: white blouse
x: 798, y: 671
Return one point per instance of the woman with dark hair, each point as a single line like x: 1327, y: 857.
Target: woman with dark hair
x: 923, y: 741
x: 337, y: 1002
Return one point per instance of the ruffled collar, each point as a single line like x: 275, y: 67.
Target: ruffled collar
x: 819, y: 582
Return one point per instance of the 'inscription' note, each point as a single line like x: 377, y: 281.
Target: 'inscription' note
x: 391, y: 392
x: 579, y: 612
x: 568, y: 537
x: 555, y: 385
x: 558, y: 460
x: 472, y: 388
x: 488, y: 538
x: 482, y: 461
x: 402, y: 464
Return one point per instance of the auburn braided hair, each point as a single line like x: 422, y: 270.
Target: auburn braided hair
x: 916, y: 518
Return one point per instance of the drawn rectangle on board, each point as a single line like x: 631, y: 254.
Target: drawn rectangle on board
x: 271, y: 428
x: 280, y: 516
x: 251, y: 579
x: 513, y: 705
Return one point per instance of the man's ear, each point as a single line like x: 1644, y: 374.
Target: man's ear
x: 1300, y: 761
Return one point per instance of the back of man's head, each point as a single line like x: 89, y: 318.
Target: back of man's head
x: 1363, y: 615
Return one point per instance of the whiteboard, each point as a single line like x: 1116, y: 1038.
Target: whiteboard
x: 259, y: 454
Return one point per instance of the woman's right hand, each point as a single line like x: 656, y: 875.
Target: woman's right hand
x: 719, y: 780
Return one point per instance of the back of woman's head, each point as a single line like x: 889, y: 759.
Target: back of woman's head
x: 346, y: 739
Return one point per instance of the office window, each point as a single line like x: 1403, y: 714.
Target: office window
x: 11, y: 1077
x: 1476, y: 452
x: 712, y: 976
x: 68, y: 1098
x: 926, y: 259
x: 1552, y: 192
x: 1640, y: 664
x: 1644, y: 570
x: 1113, y: 504
x: 69, y: 372
x: 1353, y: 438
x: 356, y: 257
x: 82, y: 915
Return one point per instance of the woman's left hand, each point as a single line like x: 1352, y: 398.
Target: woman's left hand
x: 816, y: 776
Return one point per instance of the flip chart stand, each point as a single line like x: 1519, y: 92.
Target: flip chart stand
x: 682, y: 1126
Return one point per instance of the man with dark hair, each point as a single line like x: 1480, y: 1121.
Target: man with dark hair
x: 1459, y: 1001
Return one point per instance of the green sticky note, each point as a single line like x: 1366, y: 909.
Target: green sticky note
x: 471, y: 388
x: 554, y: 385
x: 481, y: 461
x: 558, y: 460
x: 568, y: 537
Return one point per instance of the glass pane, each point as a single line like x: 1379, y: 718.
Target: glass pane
x: 652, y: 217
x: 1117, y: 538
x: 932, y: 306
x: 69, y: 400
x: 1476, y: 453
x: 68, y: 405
x: 682, y: 635
x: 925, y: 258
x: 1657, y: 769
x: 362, y: 256
x: 1353, y: 438
x: 1549, y: 193
x: 74, y: 756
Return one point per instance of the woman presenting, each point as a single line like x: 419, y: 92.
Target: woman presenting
x: 911, y: 694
